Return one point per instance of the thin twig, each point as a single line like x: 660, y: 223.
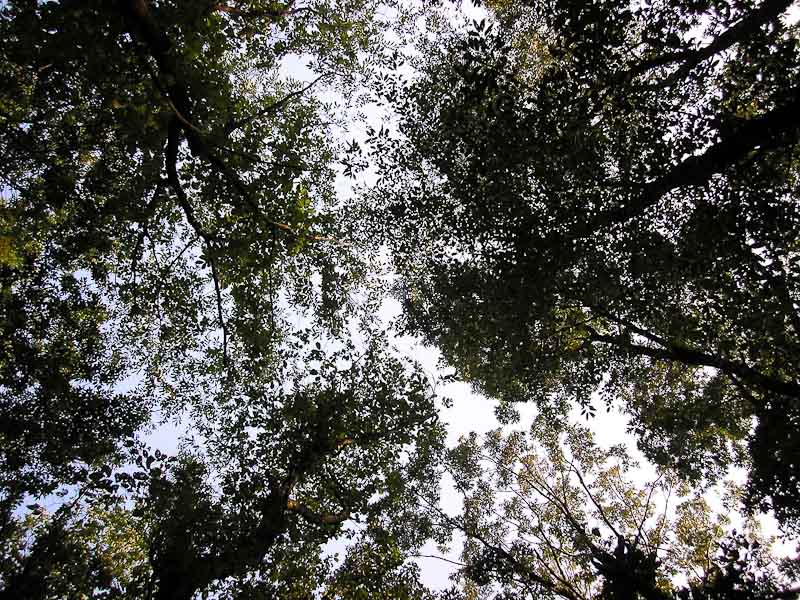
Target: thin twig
x: 273, y: 107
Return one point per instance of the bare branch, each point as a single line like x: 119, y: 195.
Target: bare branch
x: 646, y: 508
x: 271, y: 108
x: 442, y: 558
x: 593, y: 499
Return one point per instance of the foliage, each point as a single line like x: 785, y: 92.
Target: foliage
x: 248, y: 510
x: 166, y: 192
x: 549, y: 515
x: 590, y: 197
x: 569, y: 211
x: 77, y: 551
x: 171, y: 246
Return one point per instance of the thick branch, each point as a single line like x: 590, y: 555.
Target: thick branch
x: 314, y: 517
x: 182, y: 568
x: 769, y: 11
x: 145, y: 27
x: 765, y: 132
x: 689, y: 356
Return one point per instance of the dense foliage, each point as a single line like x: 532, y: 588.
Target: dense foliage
x: 170, y: 247
x: 600, y: 197
x: 165, y: 190
x: 575, y: 199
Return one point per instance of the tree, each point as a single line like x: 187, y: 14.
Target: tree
x: 166, y: 194
x: 247, y: 511
x: 597, y: 197
x: 170, y: 244
x: 549, y: 515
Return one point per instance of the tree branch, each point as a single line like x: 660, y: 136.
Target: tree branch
x: 313, y: 517
x: 693, y: 357
x: 640, y: 528
x: 592, y: 498
x: 208, y: 239
x: 271, y: 108
x: 145, y: 28
x: 764, y: 132
x: 769, y: 10
x: 260, y: 13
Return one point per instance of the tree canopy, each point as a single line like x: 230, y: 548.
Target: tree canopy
x: 171, y: 247
x: 554, y: 515
x: 575, y: 203
x: 602, y: 198
x: 165, y: 192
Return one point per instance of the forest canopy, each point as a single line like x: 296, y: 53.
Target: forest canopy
x: 579, y: 206
x: 594, y: 199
